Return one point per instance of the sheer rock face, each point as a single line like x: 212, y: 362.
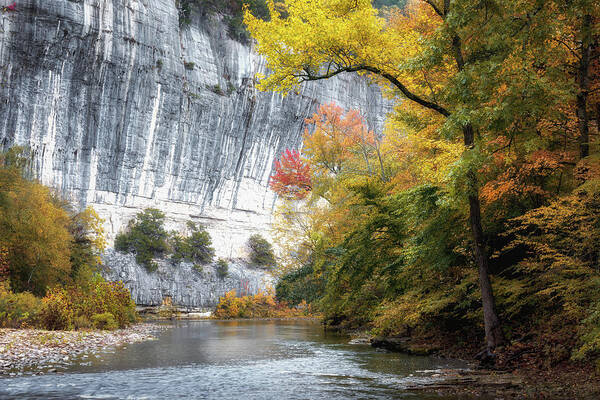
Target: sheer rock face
x: 185, y: 285
x: 123, y: 109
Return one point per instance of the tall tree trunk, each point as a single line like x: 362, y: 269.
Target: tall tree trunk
x: 493, y: 329
x: 583, y: 80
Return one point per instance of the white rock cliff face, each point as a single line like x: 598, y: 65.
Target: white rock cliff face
x: 123, y: 109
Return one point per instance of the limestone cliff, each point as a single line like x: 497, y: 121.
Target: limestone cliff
x: 184, y: 284
x: 124, y: 109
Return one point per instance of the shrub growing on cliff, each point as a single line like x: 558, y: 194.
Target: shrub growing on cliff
x: 145, y: 236
x: 196, y: 248
x: 222, y: 268
x: 261, y: 251
x: 231, y: 11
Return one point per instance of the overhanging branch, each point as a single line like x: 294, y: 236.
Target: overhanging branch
x: 309, y: 76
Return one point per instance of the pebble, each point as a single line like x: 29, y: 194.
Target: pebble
x: 26, y: 349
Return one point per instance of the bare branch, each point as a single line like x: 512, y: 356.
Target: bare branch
x: 435, y: 8
x: 308, y: 76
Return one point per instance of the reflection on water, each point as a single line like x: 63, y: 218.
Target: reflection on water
x: 235, y: 360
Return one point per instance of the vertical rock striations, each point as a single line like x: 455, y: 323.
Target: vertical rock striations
x: 125, y: 109
x: 185, y: 285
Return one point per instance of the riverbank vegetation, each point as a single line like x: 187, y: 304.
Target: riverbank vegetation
x: 472, y: 221
x: 260, y: 305
x: 49, y: 259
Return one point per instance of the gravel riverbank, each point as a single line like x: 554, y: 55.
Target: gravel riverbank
x: 34, y: 351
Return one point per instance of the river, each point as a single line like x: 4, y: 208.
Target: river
x: 235, y: 360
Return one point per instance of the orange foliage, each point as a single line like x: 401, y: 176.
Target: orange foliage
x: 292, y: 176
x: 337, y: 138
x: 523, y: 179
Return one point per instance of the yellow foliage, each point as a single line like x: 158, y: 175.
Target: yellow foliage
x: 34, y: 230
x: 261, y: 305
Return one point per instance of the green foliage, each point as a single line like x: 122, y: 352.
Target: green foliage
x: 189, y: 65
x: 196, y: 248
x: 216, y: 89
x: 104, y: 321
x: 222, y: 268
x: 18, y: 310
x: 261, y: 251
x: 300, y: 285
x: 145, y: 236
x: 65, y: 308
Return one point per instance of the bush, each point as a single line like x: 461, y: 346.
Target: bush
x: 57, y: 312
x: 216, y: 89
x: 261, y: 251
x: 101, y: 296
x: 196, y: 248
x: 104, y: 321
x: 261, y: 305
x: 18, y: 310
x: 222, y: 268
x: 76, y: 306
x: 145, y: 236
x: 82, y: 323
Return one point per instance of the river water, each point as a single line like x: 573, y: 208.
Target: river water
x: 236, y: 360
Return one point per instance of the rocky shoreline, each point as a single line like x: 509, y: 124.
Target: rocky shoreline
x: 526, y: 382
x: 34, y: 351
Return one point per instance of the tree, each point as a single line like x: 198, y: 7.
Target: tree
x: 261, y: 251
x: 34, y: 229
x: 145, y: 236
x: 419, y: 56
x: 292, y: 176
x: 335, y: 140
x: 88, y: 240
x: 196, y: 248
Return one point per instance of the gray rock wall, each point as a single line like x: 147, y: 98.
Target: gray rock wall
x: 185, y: 285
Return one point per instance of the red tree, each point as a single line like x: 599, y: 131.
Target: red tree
x: 12, y: 7
x: 292, y: 176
